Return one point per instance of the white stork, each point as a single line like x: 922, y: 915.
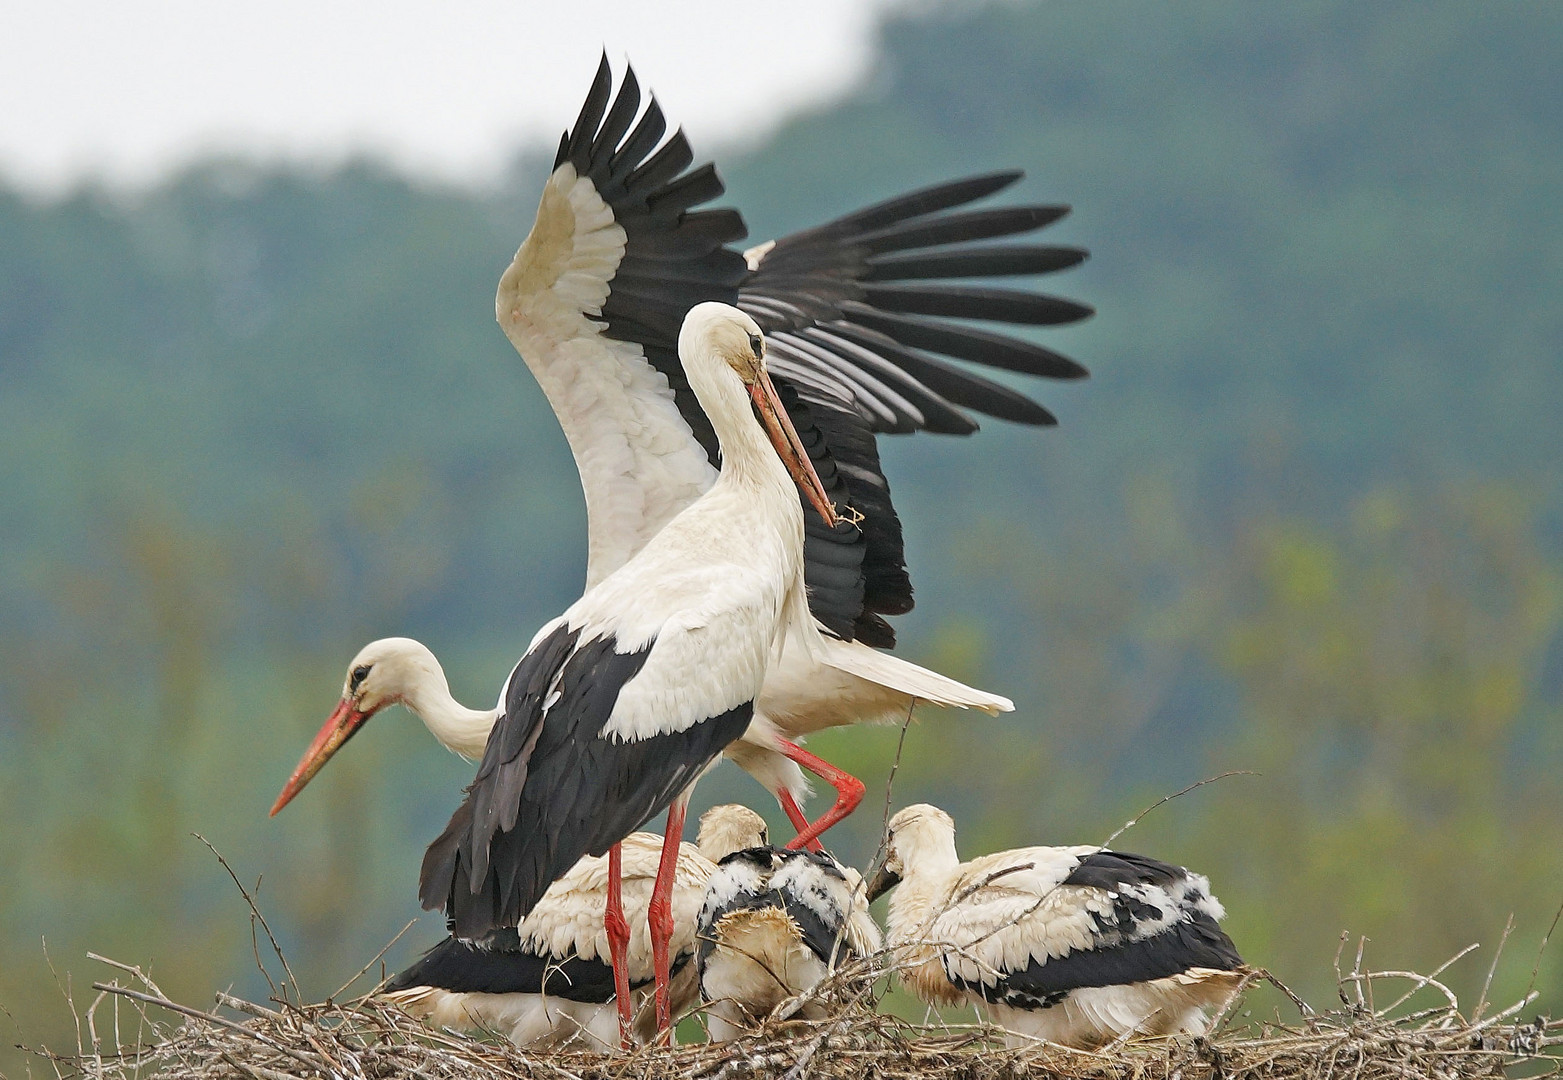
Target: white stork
x: 1078, y: 945
x: 623, y: 701
x: 548, y: 982
x: 593, y: 302
x: 853, y: 310
x: 774, y: 923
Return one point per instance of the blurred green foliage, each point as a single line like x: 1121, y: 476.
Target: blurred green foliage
x: 1304, y: 521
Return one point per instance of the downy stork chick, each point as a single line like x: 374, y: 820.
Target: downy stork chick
x: 775, y: 922
x: 1076, y: 945
x: 548, y: 983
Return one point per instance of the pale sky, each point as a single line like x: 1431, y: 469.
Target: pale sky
x: 124, y: 90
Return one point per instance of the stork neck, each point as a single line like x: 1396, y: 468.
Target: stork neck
x: 459, y: 729
x: 748, y: 458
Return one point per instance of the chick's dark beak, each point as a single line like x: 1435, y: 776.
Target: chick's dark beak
x: 882, y: 882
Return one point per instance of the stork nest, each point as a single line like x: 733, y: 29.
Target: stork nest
x: 132, y: 1031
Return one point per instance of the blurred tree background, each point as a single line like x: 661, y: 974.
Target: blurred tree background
x: 1306, y: 520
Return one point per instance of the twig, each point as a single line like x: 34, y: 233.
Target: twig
x: 1136, y: 819
x: 1542, y: 948
x: 210, y: 1018
x: 388, y: 945
x: 255, y: 912
x: 1481, y: 1002
x: 1428, y: 978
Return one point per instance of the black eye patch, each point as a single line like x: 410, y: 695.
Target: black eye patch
x: 360, y: 673
x: 756, y: 345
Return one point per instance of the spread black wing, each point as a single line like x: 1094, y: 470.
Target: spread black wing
x: 868, y: 318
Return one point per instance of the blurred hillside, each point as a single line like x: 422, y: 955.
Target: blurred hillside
x: 1304, y: 520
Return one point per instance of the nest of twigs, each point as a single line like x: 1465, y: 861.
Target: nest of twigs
x: 127, y: 1034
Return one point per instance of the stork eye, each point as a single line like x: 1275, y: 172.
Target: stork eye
x: 360, y: 673
x: 756, y: 346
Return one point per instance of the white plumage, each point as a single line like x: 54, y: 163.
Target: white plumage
x: 566, y: 927
x: 860, y: 311
x: 621, y: 702
x: 774, y: 924
x: 640, y: 464
x: 1077, y: 945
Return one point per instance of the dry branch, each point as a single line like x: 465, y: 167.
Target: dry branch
x: 368, y: 1040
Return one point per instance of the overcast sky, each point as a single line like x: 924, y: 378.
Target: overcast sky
x: 125, y: 90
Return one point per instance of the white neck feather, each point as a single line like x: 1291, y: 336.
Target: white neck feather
x: 459, y: 729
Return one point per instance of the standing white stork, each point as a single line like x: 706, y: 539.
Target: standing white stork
x: 623, y: 701
x: 548, y: 982
x: 775, y: 922
x: 854, y: 310
x: 1078, y: 945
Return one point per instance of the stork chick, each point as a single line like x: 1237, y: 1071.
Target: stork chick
x: 548, y: 983
x: 1076, y: 945
x: 775, y: 922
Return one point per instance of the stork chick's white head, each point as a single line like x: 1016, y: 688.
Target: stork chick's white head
x: 728, y: 828
x: 392, y: 671
x: 717, y: 336
x: 920, y: 835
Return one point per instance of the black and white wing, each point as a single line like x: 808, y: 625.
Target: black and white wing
x: 819, y: 897
x: 501, y: 964
x: 1036, y: 924
x: 558, y: 780
x: 869, y: 319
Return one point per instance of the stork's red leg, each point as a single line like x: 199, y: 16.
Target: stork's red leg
x: 849, y: 791
x: 799, y: 819
x: 618, y: 941
x: 660, y: 912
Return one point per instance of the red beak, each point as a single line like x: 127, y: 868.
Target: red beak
x: 337, y: 730
x: 784, y: 437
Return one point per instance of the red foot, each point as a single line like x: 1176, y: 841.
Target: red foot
x: 619, y: 942
x: 849, y: 792
x: 660, y: 914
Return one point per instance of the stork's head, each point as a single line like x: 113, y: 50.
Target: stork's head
x: 722, y: 331
x: 717, y: 336
x: 383, y: 673
x: 919, y: 835
x: 728, y: 828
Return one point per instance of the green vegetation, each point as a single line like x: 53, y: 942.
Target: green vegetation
x: 1304, y: 521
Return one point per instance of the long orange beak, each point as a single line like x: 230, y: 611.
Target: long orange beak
x: 333, y: 733
x: 784, y: 437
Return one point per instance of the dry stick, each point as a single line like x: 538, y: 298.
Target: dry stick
x: 1136, y: 819
x: 256, y: 912
x: 371, y: 963
x: 1481, y: 1002
x: 1356, y: 972
x: 1424, y: 980
x: 92, y: 1033
x: 238, y: 1004
x: 1340, y: 980
x: 197, y: 1014
x: 129, y: 969
x: 1543, y: 948
x: 1421, y: 981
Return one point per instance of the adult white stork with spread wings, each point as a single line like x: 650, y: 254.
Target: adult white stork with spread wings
x: 858, y: 345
